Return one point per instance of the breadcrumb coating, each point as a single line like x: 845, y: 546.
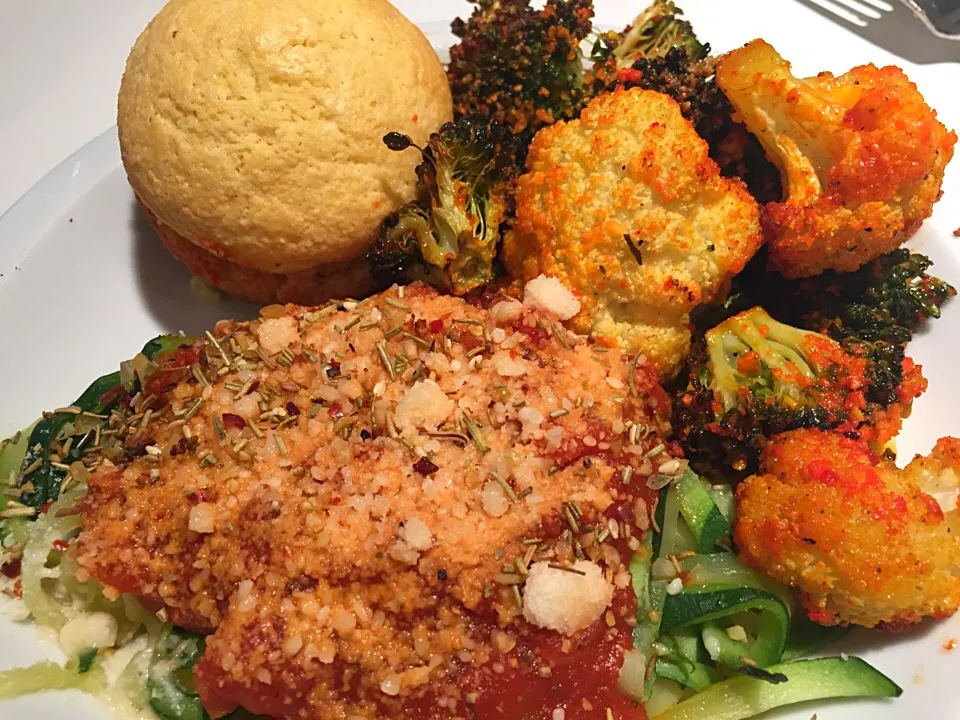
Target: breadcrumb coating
x: 336, y: 500
x: 862, y: 540
x: 626, y: 208
x: 861, y: 154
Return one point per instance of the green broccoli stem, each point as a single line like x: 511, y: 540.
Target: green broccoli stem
x: 778, y: 348
x: 450, y: 236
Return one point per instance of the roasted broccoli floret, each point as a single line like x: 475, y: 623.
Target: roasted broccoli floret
x: 653, y: 33
x: 861, y: 154
x: 754, y: 377
x: 888, y: 300
x: 686, y: 79
x: 449, y: 237
x: 520, y: 67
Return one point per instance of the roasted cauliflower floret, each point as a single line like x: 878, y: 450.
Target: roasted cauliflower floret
x: 861, y: 155
x: 862, y: 540
x: 625, y: 207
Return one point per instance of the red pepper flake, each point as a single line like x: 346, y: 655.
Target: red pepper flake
x: 950, y: 645
x: 111, y: 395
x: 629, y: 75
x: 822, y: 617
x: 172, y: 369
x: 336, y: 410
x: 234, y: 421
x: 11, y: 569
x: 253, y: 386
x: 425, y: 466
x: 824, y: 473
x: 60, y: 545
x: 46, y: 506
x: 180, y: 448
x: 470, y: 341
x: 537, y: 335
x: 749, y: 363
x: 934, y: 511
x: 292, y: 409
x: 436, y: 326
x: 334, y: 369
x: 18, y: 589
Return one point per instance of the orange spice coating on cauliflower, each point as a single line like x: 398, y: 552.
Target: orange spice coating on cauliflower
x: 625, y: 207
x: 860, y: 538
x: 861, y: 155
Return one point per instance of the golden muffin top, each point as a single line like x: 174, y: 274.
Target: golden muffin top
x: 253, y: 128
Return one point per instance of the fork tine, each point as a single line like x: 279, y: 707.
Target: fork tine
x: 897, y: 30
x: 880, y: 5
x: 840, y: 11
x: 861, y: 8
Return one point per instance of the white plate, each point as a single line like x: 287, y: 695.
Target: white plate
x: 84, y: 282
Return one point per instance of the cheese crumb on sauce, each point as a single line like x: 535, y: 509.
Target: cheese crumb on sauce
x: 505, y: 312
x: 493, y: 499
x: 423, y: 405
x: 566, y: 601
x: 275, y: 334
x: 550, y: 296
x: 202, y: 518
x: 417, y: 534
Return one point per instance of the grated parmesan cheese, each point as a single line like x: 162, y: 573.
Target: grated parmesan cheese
x: 423, y: 405
x: 276, y: 334
x: 202, y: 518
x: 550, y: 296
x: 506, y: 366
x: 505, y: 312
x: 493, y: 499
x: 566, y: 601
x: 416, y: 534
x: 530, y: 419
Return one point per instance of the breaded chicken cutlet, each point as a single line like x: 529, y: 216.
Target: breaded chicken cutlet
x: 392, y: 508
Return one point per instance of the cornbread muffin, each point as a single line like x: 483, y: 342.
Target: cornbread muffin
x: 389, y: 509
x: 251, y: 132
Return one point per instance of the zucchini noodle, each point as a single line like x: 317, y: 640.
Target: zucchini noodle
x: 57, y: 600
x: 712, y: 635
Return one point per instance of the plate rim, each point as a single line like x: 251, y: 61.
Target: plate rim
x: 26, y: 222
x: 49, y: 199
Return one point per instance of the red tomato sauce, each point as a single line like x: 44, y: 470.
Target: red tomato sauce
x: 545, y: 672
x: 582, y: 679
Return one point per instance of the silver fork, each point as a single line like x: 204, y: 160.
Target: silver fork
x: 892, y: 24
x: 941, y: 16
